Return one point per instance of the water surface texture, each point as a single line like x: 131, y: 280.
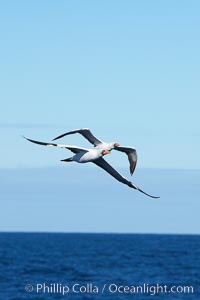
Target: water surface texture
x: 94, y: 261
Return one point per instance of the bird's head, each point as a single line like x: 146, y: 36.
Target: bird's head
x: 104, y: 152
x: 116, y: 145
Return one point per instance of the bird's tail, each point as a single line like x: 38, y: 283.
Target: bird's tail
x: 70, y: 159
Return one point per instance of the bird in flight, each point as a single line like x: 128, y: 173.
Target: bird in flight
x: 96, y: 154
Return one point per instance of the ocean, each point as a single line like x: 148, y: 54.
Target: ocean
x: 99, y: 266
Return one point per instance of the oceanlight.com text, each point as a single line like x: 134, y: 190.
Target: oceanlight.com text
x: 108, y: 288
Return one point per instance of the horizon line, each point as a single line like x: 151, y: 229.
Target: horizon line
x: 11, y: 168
x: 100, y: 232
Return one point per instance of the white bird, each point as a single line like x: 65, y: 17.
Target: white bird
x: 98, y: 144
x: 82, y: 155
x: 95, y: 155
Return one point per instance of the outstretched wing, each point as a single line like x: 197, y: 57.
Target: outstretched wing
x: 74, y: 149
x: 84, y: 132
x: 132, y: 156
x: 108, y: 168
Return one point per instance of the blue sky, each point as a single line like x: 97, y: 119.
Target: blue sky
x: 128, y: 70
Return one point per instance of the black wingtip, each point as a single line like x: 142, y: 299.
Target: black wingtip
x: 154, y: 197
x: 40, y: 143
x: 32, y: 141
x: 26, y: 138
x: 58, y: 137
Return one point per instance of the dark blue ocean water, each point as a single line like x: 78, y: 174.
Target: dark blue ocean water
x: 97, y: 259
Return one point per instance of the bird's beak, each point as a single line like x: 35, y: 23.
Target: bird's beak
x: 104, y: 152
